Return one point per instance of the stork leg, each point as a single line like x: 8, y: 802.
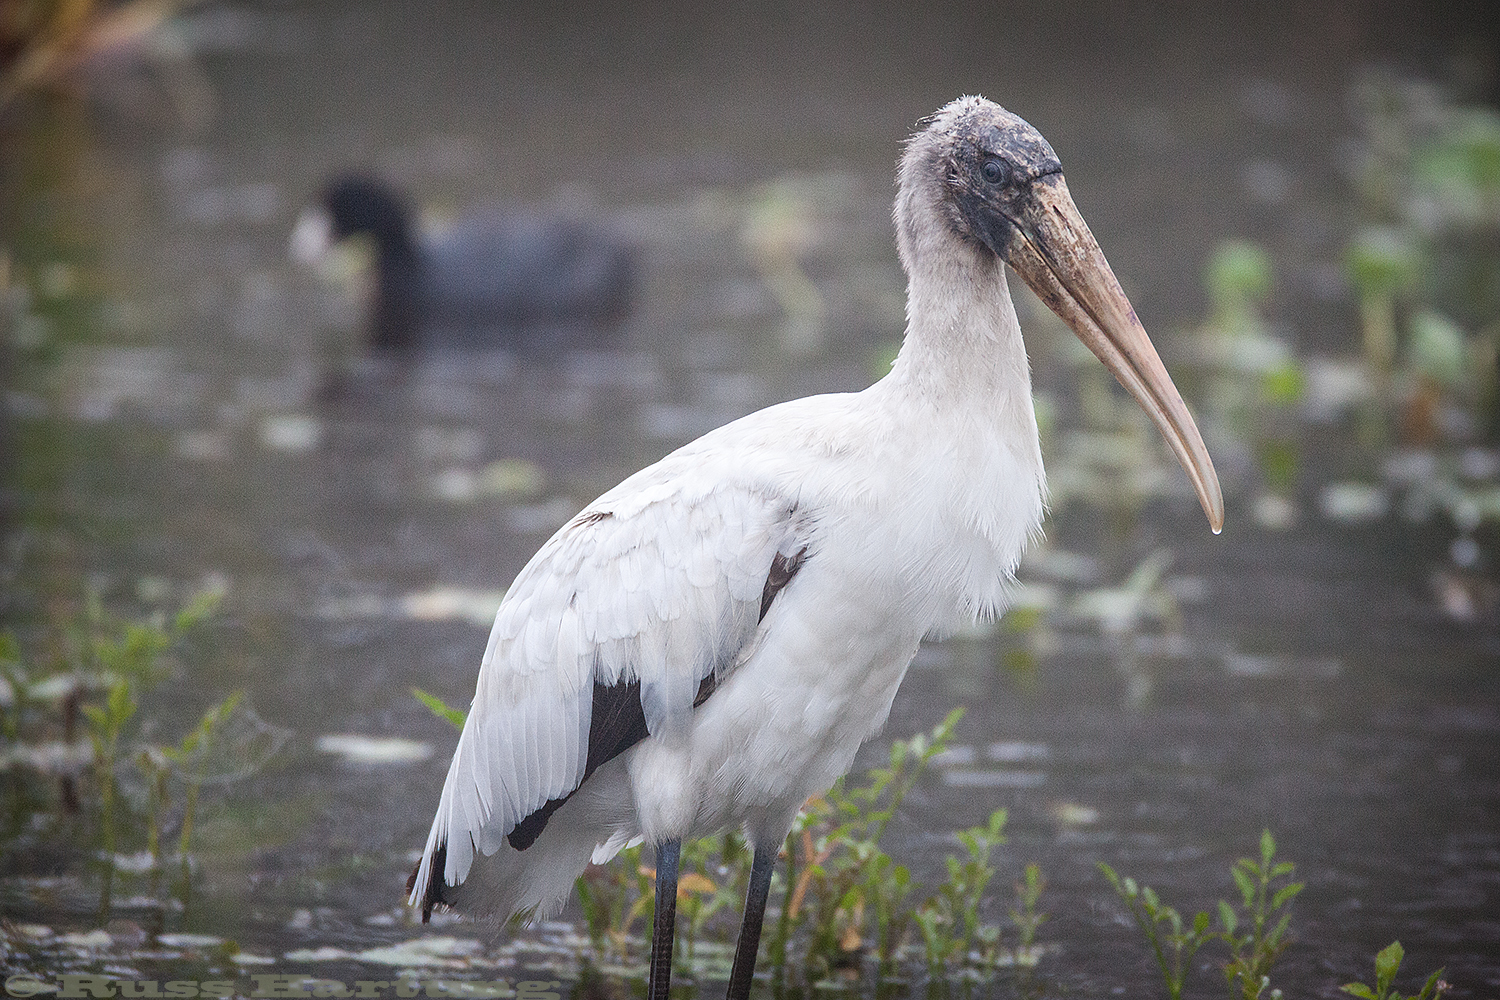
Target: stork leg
x: 761, y: 867
x: 663, y: 921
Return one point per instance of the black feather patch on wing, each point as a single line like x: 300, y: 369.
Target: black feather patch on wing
x: 432, y: 892
x: 783, y: 568
x: 617, y: 724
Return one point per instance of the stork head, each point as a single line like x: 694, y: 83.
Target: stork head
x: 996, y: 189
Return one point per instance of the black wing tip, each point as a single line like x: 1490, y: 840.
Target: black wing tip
x: 432, y: 892
x: 530, y: 828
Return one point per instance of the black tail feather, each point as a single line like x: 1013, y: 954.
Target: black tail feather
x: 432, y: 892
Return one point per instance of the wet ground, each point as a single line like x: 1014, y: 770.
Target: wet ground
x: 185, y: 408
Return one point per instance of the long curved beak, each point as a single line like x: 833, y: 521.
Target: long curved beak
x: 1058, y: 257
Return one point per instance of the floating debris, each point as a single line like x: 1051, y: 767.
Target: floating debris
x: 435, y: 951
x: 509, y: 478
x: 357, y: 606
x: 202, y: 446
x: 1119, y: 610
x: 1353, y: 503
x: 53, y: 758
x: 1253, y: 665
x: 477, y: 607
x: 1072, y: 814
x: 1464, y: 597
x: 1275, y: 513
x: 512, y: 477
x: 1014, y: 752
x: 992, y: 778
x: 955, y: 756
x: 87, y: 942
x: 324, y: 954
x: 189, y: 940
x: 1479, y: 464
x: 1410, y: 465
x: 1333, y: 386
x: 134, y: 864
x: 454, y: 485
x: 58, y: 687
x: 292, y: 433
x: 374, y: 750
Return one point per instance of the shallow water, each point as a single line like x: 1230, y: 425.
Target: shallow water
x: 191, y: 408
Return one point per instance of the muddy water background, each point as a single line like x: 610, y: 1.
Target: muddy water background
x: 199, y: 409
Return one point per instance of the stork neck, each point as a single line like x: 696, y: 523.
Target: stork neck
x: 963, y: 346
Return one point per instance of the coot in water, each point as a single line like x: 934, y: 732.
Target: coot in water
x: 493, y: 279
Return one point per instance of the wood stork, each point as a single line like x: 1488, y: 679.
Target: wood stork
x: 708, y: 643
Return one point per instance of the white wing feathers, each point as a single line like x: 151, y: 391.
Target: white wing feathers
x: 653, y: 582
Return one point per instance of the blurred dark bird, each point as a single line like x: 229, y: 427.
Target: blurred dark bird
x: 493, y: 279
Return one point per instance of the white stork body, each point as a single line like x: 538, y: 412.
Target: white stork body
x: 710, y: 642
x: 913, y: 500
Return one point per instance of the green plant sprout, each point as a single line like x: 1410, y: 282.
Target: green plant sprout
x: 106, y: 723
x: 1383, y: 265
x: 1239, y: 280
x: 1173, y: 941
x: 1262, y: 914
x: 845, y: 880
x: 105, y: 666
x: 952, y: 932
x: 440, y: 708
x: 614, y: 898
x: 190, y: 758
x: 1387, y: 964
x: 1026, y: 917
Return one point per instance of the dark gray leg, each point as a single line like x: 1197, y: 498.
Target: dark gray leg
x: 761, y: 868
x: 663, y: 922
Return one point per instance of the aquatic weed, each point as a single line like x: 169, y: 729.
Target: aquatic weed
x: 1255, y: 931
x: 844, y: 873
x: 1173, y: 941
x: 952, y: 932
x: 1387, y: 964
x: 440, y: 708
x: 106, y: 665
x: 1263, y: 915
x: 1027, y: 917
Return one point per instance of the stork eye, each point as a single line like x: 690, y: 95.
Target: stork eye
x: 995, y: 171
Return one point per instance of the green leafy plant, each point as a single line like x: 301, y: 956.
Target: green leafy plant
x: 844, y: 899
x: 1383, y: 265
x: 99, y: 677
x: 845, y: 882
x: 1262, y: 916
x: 106, y: 723
x: 1026, y: 916
x: 1173, y: 940
x: 1255, y: 930
x: 614, y: 898
x: 952, y: 931
x: 1387, y: 964
x: 190, y: 758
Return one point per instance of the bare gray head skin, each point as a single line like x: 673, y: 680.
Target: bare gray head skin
x: 972, y: 167
x: 979, y: 187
